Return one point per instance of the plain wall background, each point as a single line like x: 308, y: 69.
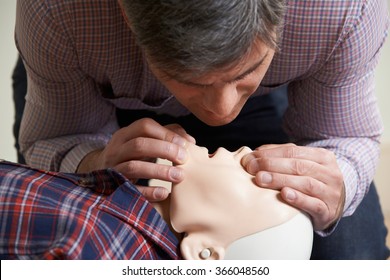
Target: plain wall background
x: 8, y: 57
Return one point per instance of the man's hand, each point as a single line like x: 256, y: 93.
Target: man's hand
x: 308, y: 178
x: 134, y: 149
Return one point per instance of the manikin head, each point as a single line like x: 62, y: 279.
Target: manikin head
x: 218, y: 206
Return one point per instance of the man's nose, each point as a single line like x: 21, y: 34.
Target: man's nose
x: 221, y: 99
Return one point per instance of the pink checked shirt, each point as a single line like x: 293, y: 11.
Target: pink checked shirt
x: 83, y: 62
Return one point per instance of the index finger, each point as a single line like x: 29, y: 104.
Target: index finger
x: 181, y: 131
x: 147, y: 127
x: 318, y: 155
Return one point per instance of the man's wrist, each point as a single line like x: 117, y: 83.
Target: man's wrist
x: 90, y: 162
x: 339, y: 214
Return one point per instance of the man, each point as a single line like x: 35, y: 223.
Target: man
x: 91, y: 61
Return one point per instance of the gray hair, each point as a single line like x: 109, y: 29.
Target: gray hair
x: 194, y: 37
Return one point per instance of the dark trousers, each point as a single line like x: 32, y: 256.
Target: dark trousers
x: 19, y: 86
x: 361, y: 236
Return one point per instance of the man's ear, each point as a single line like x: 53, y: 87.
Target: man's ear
x: 198, y: 247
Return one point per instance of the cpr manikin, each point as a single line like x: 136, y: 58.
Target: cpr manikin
x: 225, y: 215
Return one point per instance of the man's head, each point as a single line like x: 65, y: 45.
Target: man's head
x: 201, y: 36
x: 211, y: 54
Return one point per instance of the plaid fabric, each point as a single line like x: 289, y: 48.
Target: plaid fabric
x: 48, y: 215
x: 83, y: 62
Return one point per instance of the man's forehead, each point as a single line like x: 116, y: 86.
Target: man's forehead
x: 227, y: 74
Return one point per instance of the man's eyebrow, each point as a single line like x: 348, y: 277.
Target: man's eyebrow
x: 251, y: 69
x: 239, y: 77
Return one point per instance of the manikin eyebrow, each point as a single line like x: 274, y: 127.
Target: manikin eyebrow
x: 239, y: 77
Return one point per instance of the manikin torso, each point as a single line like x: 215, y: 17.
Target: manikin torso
x: 225, y: 215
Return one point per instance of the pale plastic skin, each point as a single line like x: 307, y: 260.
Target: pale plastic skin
x: 225, y: 215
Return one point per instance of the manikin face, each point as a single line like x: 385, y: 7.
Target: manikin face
x: 217, y: 98
x: 218, y: 203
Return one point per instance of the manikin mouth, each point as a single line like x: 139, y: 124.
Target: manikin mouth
x: 213, y: 154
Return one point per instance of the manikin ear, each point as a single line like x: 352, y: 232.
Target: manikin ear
x: 199, y: 247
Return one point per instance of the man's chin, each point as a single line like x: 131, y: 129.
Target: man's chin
x: 217, y: 121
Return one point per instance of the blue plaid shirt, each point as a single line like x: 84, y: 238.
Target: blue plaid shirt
x: 100, y: 215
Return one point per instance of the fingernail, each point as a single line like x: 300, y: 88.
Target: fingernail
x: 290, y: 195
x: 159, y: 193
x: 247, y: 158
x: 175, y: 173
x: 253, y: 167
x: 179, y: 141
x: 266, y: 178
x: 182, y: 155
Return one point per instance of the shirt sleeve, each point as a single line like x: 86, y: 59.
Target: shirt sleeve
x: 65, y: 118
x: 336, y: 107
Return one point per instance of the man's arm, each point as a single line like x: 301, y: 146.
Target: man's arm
x: 336, y: 108
x: 64, y: 117
x: 332, y: 115
x: 68, y: 123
